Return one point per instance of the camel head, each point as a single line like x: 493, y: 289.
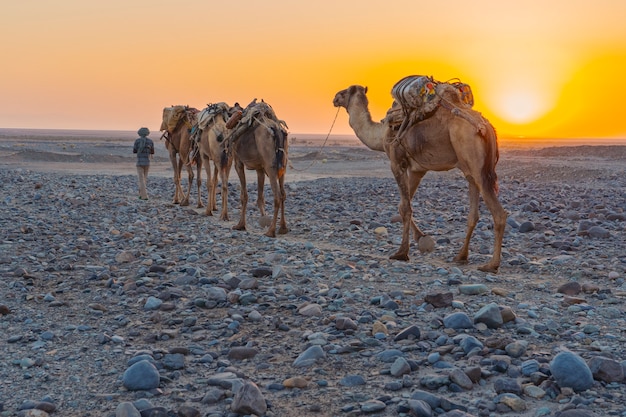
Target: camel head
x: 342, y: 98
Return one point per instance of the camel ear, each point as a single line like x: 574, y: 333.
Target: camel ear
x: 365, y: 90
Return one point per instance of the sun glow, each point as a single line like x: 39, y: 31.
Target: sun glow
x: 521, y: 107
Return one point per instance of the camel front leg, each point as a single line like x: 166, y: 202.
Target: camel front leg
x: 185, y: 201
x: 244, y: 196
x: 260, y: 201
x: 271, y: 232
x: 209, y: 186
x: 472, y: 220
x: 224, y: 171
x: 404, y: 208
x: 415, y: 177
x: 213, y: 197
x: 175, y: 168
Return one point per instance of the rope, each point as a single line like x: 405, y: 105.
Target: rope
x: 323, y: 145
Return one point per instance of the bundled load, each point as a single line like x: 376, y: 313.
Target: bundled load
x: 171, y: 117
x: 207, y: 115
x: 241, y: 121
x: 416, y: 97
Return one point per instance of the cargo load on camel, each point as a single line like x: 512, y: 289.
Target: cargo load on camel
x: 171, y: 117
x: 240, y: 122
x: 416, y: 97
x: 206, y: 117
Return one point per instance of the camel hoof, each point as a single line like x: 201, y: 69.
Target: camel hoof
x: 400, y: 257
x: 239, y: 227
x: 184, y: 203
x: 460, y: 261
x: 270, y: 234
x: 208, y: 213
x: 489, y: 268
x: 283, y: 231
x: 224, y: 218
x: 200, y: 205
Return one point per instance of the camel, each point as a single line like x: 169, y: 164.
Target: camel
x: 210, y: 149
x: 178, y: 144
x: 447, y: 139
x: 259, y: 143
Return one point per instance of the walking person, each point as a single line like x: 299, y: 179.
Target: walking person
x: 144, y: 148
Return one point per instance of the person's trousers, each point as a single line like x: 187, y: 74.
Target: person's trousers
x: 142, y: 174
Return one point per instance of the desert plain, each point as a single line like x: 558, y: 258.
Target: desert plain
x: 318, y: 321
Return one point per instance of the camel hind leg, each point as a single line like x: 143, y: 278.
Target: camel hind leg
x: 415, y: 177
x: 209, y: 186
x: 178, y: 192
x: 404, y: 208
x: 190, y: 176
x: 472, y: 220
x: 199, y: 183
x: 283, y: 197
x: 224, y: 171
x: 241, y: 225
x: 213, y: 196
x: 271, y: 231
x: 499, y: 223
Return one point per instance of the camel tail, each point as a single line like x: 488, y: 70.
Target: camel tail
x: 492, y: 155
x: 280, y: 141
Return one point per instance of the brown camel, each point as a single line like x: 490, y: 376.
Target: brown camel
x: 178, y: 144
x: 445, y: 140
x: 213, y: 132
x: 259, y: 143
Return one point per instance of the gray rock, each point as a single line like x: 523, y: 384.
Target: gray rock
x: 174, y: 361
x: 309, y: 357
x: 460, y: 378
x: 242, y: 352
x: 458, y: 320
x: 126, y: 409
x: 372, y: 406
x: 501, y: 385
x: 432, y: 400
x: 400, y: 367
x: 249, y: 400
x: 352, y: 381
x: 420, y: 408
x: 152, y: 303
x: 473, y: 289
x: 142, y: 375
x: 411, y: 331
x: 606, y: 369
x: 470, y: 343
x: 570, y: 370
x: 489, y: 315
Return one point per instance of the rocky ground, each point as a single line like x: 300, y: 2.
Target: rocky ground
x: 110, y: 305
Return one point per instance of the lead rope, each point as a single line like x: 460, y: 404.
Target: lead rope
x: 322, y: 147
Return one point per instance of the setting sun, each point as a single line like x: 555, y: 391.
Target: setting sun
x: 520, y: 106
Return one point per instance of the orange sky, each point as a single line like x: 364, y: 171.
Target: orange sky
x: 537, y: 68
